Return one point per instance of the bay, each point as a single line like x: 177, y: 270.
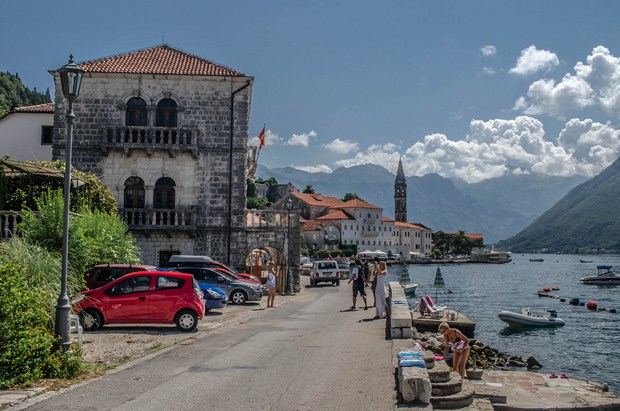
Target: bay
x: 585, y: 348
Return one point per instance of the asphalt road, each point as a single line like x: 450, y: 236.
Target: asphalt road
x: 309, y: 353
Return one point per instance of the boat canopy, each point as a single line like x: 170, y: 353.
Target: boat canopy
x: 604, y: 267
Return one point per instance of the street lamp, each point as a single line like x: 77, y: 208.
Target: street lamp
x: 289, y: 207
x: 70, y: 79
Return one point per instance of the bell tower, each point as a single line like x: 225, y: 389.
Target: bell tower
x: 400, y: 194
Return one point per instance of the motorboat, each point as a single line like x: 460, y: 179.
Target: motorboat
x: 605, y: 276
x: 537, y: 260
x: 585, y: 261
x: 409, y: 289
x: 527, y: 318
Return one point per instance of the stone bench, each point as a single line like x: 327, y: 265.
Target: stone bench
x: 400, y: 316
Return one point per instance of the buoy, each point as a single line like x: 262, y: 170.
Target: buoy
x: 574, y: 301
x: 582, y: 303
x: 557, y: 287
x: 613, y: 310
x: 591, y: 305
x: 546, y: 289
x: 562, y: 300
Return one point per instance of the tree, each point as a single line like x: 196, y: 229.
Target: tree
x: 309, y: 190
x: 351, y: 196
x: 13, y: 93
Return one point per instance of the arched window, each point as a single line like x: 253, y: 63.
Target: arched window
x: 164, y: 193
x: 134, y: 193
x: 166, y: 113
x: 136, y: 112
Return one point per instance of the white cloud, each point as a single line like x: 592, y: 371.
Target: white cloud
x: 488, y: 50
x: 320, y: 168
x: 489, y: 71
x: 533, y: 60
x: 271, y: 139
x: 342, y: 146
x: 301, y: 139
x: 498, y: 147
x: 595, y: 83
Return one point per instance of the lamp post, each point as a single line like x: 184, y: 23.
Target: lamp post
x: 289, y: 207
x: 71, y: 79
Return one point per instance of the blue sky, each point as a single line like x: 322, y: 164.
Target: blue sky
x: 467, y: 89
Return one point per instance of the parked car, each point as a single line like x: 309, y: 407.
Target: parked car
x: 143, y: 297
x: 206, y: 261
x: 215, y: 297
x: 102, y: 274
x: 238, y: 291
x: 324, y: 271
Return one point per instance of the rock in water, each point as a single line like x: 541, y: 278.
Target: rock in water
x: 533, y: 363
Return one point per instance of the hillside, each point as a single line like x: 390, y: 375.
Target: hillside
x: 498, y: 208
x: 587, y: 218
x: 13, y: 93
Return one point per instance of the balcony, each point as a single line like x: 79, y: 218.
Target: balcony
x: 8, y: 223
x: 183, y: 219
x: 129, y: 138
x: 370, y: 234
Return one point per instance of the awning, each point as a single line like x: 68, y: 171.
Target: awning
x: 14, y: 168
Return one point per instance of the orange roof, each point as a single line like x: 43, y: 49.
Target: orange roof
x: 387, y: 220
x: 356, y: 203
x: 318, y: 199
x: 162, y: 59
x: 471, y: 236
x: 39, y: 108
x: 311, y: 225
x: 336, y: 215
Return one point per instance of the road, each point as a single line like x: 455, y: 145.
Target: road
x: 309, y: 353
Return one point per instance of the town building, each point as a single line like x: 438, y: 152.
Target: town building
x: 26, y: 133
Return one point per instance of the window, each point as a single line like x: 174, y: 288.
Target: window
x: 134, y: 192
x: 163, y: 194
x: 131, y: 285
x: 106, y: 275
x: 136, y: 112
x: 165, y: 282
x: 166, y: 113
x: 46, y: 135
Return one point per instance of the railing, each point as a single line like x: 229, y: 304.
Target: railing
x: 153, y: 219
x: 8, y: 223
x: 370, y: 234
x: 125, y: 137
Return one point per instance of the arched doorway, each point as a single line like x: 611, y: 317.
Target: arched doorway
x: 260, y: 259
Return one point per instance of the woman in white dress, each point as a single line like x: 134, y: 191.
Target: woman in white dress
x: 381, y: 273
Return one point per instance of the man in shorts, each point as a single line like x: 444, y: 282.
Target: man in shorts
x: 359, y: 281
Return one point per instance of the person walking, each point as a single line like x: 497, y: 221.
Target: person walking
x: 359, y: 280
x: 271, y: 286
x: 372, y: 279
x: 380, y: 277
x: 460, y: 347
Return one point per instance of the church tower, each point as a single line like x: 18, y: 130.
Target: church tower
x: 400, y: 194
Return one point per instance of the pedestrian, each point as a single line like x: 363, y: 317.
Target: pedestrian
x: 460, y: 347
x: 271, y: 286
x: 359, y: 279
x: 380, y: 277
x: 372, y: 279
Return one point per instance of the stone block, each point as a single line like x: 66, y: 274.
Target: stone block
x: 406, y: 332
x: 414, y: 384
x: 396, y: 333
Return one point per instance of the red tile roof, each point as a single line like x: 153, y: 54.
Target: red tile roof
x: 355, y: 203
x: 318, y: 200
x: 162, y: 59
x: 474, y: 236
x: 39, y: 108
x: 311, y: 225
x: 387, y: 220
x: 336, y: 215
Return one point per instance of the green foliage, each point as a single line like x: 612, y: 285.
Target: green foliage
x: 351, y: 196
x: 27, y: 350
x: 309, y: 190
x: 94, y: 237
x: 453, y: 243
x: 257, y: 202
x: 13, y: 93
x: 253, y: 201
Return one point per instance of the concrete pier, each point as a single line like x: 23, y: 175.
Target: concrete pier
x: 454, y: 319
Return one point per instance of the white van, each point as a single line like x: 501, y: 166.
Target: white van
x: 325, y: 271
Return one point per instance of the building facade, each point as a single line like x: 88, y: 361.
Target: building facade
x: 26, y: 133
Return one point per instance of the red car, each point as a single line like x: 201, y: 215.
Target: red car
x: 143, y: 297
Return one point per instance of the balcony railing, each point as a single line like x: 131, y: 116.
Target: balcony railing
x: 8, y: 223
x: 158, y: 219
x: 148, y: 138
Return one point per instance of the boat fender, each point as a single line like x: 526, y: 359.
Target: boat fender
x: 591, y: 305
x: 574, y: 301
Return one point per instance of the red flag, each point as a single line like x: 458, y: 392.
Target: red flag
x: 261, y: 137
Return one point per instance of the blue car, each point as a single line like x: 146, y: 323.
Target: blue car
x: 215, y: 297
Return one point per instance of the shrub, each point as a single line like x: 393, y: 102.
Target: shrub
x: 27, y: 351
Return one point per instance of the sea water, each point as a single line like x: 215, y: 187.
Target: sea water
x: 585, y: 348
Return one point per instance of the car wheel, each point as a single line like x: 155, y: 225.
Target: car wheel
x: 337, y: 283
x: 238, y: 297
x: 91, y: 319
x: 186, y: 320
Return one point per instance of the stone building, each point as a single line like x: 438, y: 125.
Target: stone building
x: 167, y: 132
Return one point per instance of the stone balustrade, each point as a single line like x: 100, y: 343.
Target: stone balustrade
x: 144, y: 218
x: 8, y: 223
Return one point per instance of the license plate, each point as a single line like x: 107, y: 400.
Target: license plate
x: 327, y: 274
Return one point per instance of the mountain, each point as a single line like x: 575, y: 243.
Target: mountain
x: 498, y: 208
x: 587, y: 218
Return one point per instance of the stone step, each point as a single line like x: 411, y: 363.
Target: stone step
x: 455, y: 401
x: 439, y: 373
x: 453, y: 386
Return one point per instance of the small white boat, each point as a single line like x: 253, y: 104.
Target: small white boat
x: 606, y: 276
x: 527, y: 318
x: 409, y: 289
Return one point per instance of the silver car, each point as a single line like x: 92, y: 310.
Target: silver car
x: 239, y: 291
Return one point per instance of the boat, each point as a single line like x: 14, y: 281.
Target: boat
x: 537, y: 260
x: 408, y: 287
x: 605, y: 276
x: 585, y: 261
x: 527, y: 318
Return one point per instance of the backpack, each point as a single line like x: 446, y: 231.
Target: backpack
x: 361, y: 275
